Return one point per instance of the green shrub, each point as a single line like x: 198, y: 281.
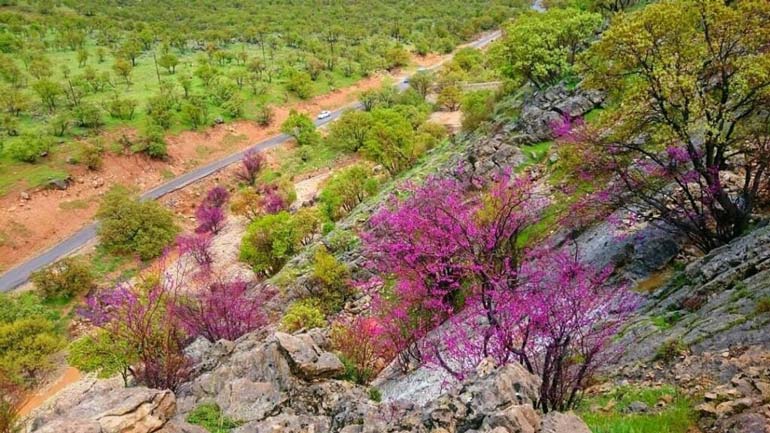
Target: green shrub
x: 375, y: 394
x: 272, y: 239
x: 152, y: 142
x: 26, y: 347
x: 90, y: 155
x: 670, y: 350
x: 28, y: 148
x: 303, y: 314
x: 346, y: 189
x: 103, y: 354
x: 763, y: 305
x: 64, y: 279
x: 330, y: 281
x: 128, y: 225
x: 210, y: 417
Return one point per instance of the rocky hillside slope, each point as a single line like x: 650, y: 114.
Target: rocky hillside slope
x: 705, y: 329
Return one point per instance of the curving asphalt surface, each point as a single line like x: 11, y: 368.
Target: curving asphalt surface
x: 19, y: 274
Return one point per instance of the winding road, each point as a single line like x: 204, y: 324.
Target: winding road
x: 19, y: 274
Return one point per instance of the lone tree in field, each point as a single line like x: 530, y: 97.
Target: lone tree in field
x: 691, y: 80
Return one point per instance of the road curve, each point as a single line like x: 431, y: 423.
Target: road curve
x: 19, y: 274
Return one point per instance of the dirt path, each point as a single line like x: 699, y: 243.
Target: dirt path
x: 32, y: 221
x: 69, y: 376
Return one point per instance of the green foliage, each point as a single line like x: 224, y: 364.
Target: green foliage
x: 303, y: 314
x: 128, y: 225
x: 330, y: 279
x: 541, y: 47
x: 272, y: 239
x: 391, y: 141
x: 301, y: 84
x: 301, y: 127
x: 64, y: 279
x: 346, y: 189
x: 477, y: 107
x: 103, y: 354
x: 375, y: 394
x: 151, y: 142
x: 90, y: 155
x: 677, y: 416
x: 28, y: 147
x: 670, y: 350
x: 210, y: 417
x: 763, y: 305
x: 26, y: 346
x: 349, y: 132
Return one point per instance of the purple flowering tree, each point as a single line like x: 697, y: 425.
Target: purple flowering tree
x: 222, y: 310
x: 253, y: 162
x: 467, y: 286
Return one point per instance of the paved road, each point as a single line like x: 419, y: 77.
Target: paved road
x: 20, y: 274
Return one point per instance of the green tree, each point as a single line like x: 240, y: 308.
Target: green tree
x: 82, y: 57
x: 195, y: 111
x: 540, y: 47
x: 271, y: 240
x: 390, y: 141
x: 693, y: 80
x: 346, y: 189
x: 169, y: 62
x: 450, y: 97
x: 49, y: 92
x: 128, y: 225
x: 104, y: 354
x: 301, y: 127
x: 301, y: 84
x: 421, y: 82
x: 26, y: 347
x: 64, y: 279
x: 476, y: 107
x: 123, y: 68
x: 349, y: 132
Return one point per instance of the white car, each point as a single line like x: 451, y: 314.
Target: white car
x: 324, y: 114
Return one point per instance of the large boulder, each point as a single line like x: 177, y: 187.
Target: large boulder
x: 105, y: 406
x: 306, y: 359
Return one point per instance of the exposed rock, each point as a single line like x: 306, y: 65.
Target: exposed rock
x: 556, y: 422
x: 60, y: 184
x: 307, y: 359
x: 106, y: 407
x: 538, y: 112
x: 638, y: 407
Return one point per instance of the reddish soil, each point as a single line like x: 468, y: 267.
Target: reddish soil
x: 30, y: 226
x: 69, y: 376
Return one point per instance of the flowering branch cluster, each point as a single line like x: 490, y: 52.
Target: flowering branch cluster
x: 459, y: 283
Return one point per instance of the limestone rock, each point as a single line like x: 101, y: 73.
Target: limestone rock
x: 114, y: 408
x: 557, y: 422
x: 307, y: 359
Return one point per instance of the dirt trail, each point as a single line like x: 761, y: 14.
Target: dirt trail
x: 68, y: 377
x: 32, y: 221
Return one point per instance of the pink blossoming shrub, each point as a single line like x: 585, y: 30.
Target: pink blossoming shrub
x: 210, y: 219
x: 167, y: 307
x: 359, y: 341
x: 138, y: 315
x: 457, y: 285
x: 253, y: 162
x: 216, y: 197
x: 222, y: 310
x: 198, y: 247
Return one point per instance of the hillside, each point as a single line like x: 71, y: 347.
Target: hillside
x: 563, y: 232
